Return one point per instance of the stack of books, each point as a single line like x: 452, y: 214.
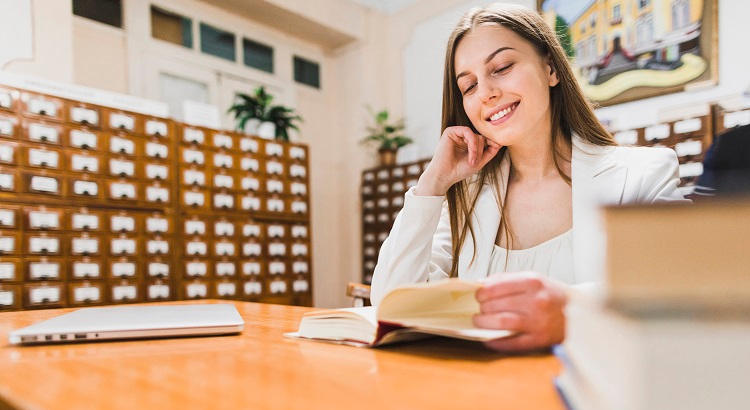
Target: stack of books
x: 671, y: 327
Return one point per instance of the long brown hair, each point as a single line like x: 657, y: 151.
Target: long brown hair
x: 570, y: 112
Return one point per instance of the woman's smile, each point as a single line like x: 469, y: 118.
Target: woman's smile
x: 502, y: 114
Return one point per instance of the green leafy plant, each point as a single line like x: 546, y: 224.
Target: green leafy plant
x: 250, y: 106
x: 284, y: 118
x: 388, y: 135
x: 259, y: 106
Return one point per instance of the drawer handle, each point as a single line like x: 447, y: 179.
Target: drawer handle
x: 123, y: 150
x: 158, y: 134
x: 43, y: 164
x: 85, y: 146
x: 123, y: 174
x: 123, y: 196
x: 122, y: 126
x: 43, y: 138
x: 85, y: 168
x: 85, y: 122
x: 86, y: 192
x: 43, y: 112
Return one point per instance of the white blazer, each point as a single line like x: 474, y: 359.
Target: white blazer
x: 418, y: 248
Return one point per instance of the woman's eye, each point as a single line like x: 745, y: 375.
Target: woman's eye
x: 469, y: 89
x: 501, y: 69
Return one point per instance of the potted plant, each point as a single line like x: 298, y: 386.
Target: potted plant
x: 255, y: 115
x: 388, y: 136
x: 283, y: 119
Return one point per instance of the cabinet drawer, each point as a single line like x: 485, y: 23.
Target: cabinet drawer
x: 124, y: 145
x: 193, y: 135
x: 223, y: 160
x: 10, y: 180
x: 277, y: 286
x: 276, y: 204
x: 252, y: 267
x: 9, y: 217
x: 158, y: 290
x: 123, y: 268
x: 11, y: 269
x: 157, y: 193
x: 158, y: 268
x: 123, y: 245
x: 223, y: 179
x: 45, y: 183
x: 84, y: 161
x: 10, y: 153
x: 224, y: 248
x: 196, y: 247
x: 125, y: 222
x: 9, y: 126
x: 225, y: 269
x: 192, y: 156
x: 194, y: 176
x: 251, y: 163
x: 44, y: 218
x: 224, y: 200
x: 157, y: 223
x: 44, y: 295
x: 84, y: 139
x: 122, y: 167
x: 122, y: 121
x: 44, y: 132
x: 251, y: 289
x: 226, y: 289
x: 44, y: 243
x: 224, y: 228
x: 9, y: 99
x: 221, y: 140
x: 252, y: 229
x: 298, y: 153
x: 195, y: 198
x: 125, y: 291
x: 39, y: 156
x: 122, y: 190
x: 10, y: 297
x: 250, y: 145
x: 196, y: 268
x: 85, y: 187
x: 84, y: 219
x: 43, y: 106
x: 10, y: 243
x: 87, y: 244
x: 157, y: 127
x: 157, y: 245
x: 157, y: 150
x: 84, y: 114
x: 157, y: 171
x: 196, y: 225
x: 86, y: 293
x: 195, y: 289
x: 86, y: 268
x: 273, y: 149
x: 250, y: 202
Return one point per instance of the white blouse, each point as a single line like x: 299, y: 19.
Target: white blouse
x: 553, y: 259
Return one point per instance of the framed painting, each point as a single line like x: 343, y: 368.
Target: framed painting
x: 625, y: 50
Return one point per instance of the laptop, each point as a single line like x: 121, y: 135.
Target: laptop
x: 132, y: 322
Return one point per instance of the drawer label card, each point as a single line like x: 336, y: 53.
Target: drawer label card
x: 123, y: 269
x: 82, y: 139
x: 156, y: 128
x: 121, y: 146
x: 122, y: 121
x: 89, y: 188
x: 44, y: 270
x: 84, y: 163
x: 155, y: 150
x: 84, y: 115
x: 85, y: 270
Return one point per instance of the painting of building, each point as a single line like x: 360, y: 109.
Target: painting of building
x: 630, y: 49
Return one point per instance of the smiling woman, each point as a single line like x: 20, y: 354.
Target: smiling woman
x: 520, y: 154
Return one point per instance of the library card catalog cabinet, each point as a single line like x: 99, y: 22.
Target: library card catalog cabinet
x: 103, y: 206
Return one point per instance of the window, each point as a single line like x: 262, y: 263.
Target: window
x: 306, y: 72
x: 171, y: 27
x: 103, y: 11
x: 217, y: 42
x: 616, y: 13
x: 257, y: 55
x: 643, y: 3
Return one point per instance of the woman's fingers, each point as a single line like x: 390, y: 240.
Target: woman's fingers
x: 504, y: 320
x: 513, y: 303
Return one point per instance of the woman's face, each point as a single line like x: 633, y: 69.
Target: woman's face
x: 504, y: 83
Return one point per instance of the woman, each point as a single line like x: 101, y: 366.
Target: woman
x: 520, y: 153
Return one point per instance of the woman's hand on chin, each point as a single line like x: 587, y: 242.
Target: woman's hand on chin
x: 524, y: 302
x: 460, y: 154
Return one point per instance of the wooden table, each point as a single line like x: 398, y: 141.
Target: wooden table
x: 261, y: 369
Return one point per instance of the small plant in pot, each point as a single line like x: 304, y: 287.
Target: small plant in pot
x: 387, y: 135
x: 255, y: 115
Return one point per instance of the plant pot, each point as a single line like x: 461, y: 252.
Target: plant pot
x: 267, y: 130
x: 251, y: 126
x: 387, y: 157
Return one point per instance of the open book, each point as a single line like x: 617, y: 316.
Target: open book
x: 409, y: 312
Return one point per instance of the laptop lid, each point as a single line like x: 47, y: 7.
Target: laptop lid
x: 127, y: 322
